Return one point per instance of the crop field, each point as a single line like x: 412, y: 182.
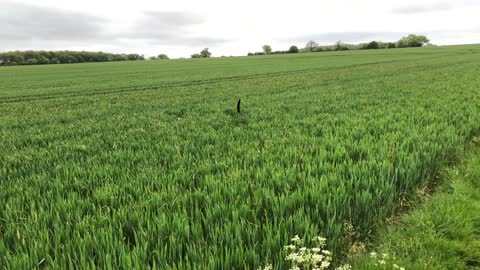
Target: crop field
x: 146, y: 164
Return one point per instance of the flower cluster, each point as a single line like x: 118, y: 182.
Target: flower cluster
x: 383, y: 261
x: 344, y: 267
x: 267, y: 267
x: 318, y: 257
x: 314, y: 258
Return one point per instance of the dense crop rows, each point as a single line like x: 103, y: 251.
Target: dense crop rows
x: 125, y: 164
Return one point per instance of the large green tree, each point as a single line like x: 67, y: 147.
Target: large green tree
x: 267, y: 49
x: 293, y: 49
x: 311, y: 46
x: 205, y: 53
x: 412, y: 41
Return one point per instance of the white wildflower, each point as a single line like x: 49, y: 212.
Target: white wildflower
x: 381, y: 262
x: 344, y: 267
x: 267, y: 267
x: 291, y: 257
x: 319, y: 239
x: 316, y: 258
x: 290, y: 247
x: 373, y: 254
x: 295, y: 238
x: 325, y: 265
x: 316, y: 250
x: 326, y: 252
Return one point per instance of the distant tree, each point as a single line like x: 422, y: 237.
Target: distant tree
x: 43, y: 60
x: 339, y: 47
x: 135, y: 56
x: 27, y: 55
x: 72, y: 59
x: 267, y: 49
x: 205, y: 53
x: 32, y: 61
x: 372, y: 45
x: 293, y: 49
x: 412, y: 41
x: 196, y: 55
x: 162, y: 56
x: 152, y: 58
x: 391, y: 45
x: 311, y: 46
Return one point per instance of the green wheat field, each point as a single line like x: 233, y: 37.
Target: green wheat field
x: 135, y: 165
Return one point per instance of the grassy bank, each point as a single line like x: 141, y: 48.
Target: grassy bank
x: 442, y: 233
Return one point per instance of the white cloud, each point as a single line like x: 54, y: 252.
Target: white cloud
x: 424, y: 8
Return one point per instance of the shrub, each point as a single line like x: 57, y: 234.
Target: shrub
x: 293, y: 49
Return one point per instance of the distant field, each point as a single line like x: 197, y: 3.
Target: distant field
x: 139, y: 163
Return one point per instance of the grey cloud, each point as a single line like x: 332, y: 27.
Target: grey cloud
x: 30, y: 26
x: 172, y: 19
x: 27, y: 22
x: 422, y: 8
x: 170, y: 27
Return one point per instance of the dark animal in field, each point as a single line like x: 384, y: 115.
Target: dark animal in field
x: 239, y: 110
x: 238, y: 106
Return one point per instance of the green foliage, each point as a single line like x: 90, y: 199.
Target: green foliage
x: 372, y: 45
x: 311, y: 46
x: 443, y: 233
x: 391, y: 45
x: 131, y: 57
x: 140, y: 165
x: 159, y: 57
x: 255, y: 53
x: 267, y: 49
x: 61, y: 57
x: 293, y: 49
x: 205, y: 53
x: 412, y: 41
x: 32, y: 61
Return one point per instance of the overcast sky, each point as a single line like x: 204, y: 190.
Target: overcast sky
x: 180, y: 28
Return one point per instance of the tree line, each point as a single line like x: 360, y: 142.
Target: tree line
x: 312, y: 46
x: 64, y: 57
x: 61, y: 57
